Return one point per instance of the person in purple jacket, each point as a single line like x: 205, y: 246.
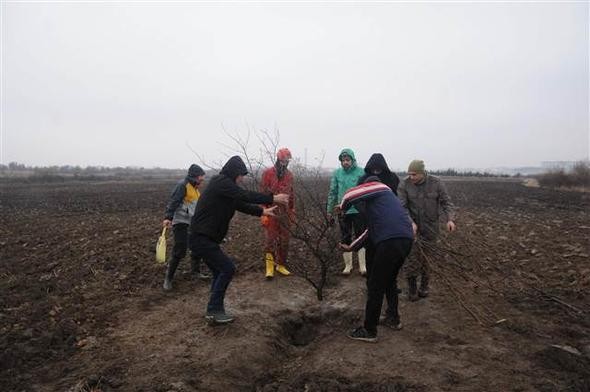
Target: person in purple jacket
x: 388, y: 240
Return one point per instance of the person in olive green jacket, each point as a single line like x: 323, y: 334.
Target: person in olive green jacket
x: 350, y: 221
x: 427, y: 201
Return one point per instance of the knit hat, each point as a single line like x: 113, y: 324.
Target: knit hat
x: 416, y: 166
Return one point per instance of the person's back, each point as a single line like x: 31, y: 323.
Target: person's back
x: 386, y: 218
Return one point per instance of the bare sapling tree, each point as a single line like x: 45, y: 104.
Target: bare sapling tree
x: 314, y: 251
x: 315, y: 255
x: 241, y: 144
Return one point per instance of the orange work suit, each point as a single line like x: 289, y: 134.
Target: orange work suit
x: 277, y: 227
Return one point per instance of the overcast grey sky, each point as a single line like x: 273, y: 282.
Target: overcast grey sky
x: 457, y: 84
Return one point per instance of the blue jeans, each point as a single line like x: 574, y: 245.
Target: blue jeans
x: 221, y: 266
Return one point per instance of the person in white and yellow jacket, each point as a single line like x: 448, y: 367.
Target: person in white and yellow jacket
x: 178, y: 215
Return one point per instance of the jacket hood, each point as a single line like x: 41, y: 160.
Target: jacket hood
x: 234, y: 167
x: 377, y: 161
x: 195, y: 171
x: 350, y: 153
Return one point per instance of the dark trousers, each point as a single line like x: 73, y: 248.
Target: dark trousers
x: 350, y: 224
x: 221, y: 266
x: 418, y: 262
x: 181, y: 244
x: 384, y: 261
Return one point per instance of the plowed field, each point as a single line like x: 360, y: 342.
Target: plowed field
x: 82, y: 307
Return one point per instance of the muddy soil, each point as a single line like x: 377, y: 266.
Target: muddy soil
x: 82, y: 307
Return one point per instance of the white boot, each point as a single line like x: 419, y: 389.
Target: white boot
x: 362, y: 263
x: 347, y: 263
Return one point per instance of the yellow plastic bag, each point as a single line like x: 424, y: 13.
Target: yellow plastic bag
x: 161, y: 247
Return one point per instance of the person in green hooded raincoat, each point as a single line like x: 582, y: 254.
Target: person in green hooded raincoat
x: 350, y: 221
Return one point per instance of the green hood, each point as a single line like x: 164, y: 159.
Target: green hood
x: 342, y: 180
x: 350, y: 153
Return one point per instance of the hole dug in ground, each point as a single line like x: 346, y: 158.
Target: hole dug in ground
x: 307, y: 334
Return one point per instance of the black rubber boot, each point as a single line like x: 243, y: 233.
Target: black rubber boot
x: 423, y: 292
x: 172, y: 265
x: 195, y: 268
x: 412, y: 289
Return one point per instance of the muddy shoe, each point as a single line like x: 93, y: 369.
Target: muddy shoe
x: 391, y: 322
x: 219, y: 318
x: 204, y: 275
x: 423, y: 292
x: 412, y: 290
x: 167, y: 286
x: 362, y: 334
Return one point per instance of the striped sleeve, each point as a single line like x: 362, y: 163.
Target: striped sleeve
x: 359, y: 241
x: 362, y: 192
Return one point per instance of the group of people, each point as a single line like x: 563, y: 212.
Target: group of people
x: 387, y: 217
x: 379, y: 218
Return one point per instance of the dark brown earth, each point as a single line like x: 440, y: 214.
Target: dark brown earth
x: 82, y: 307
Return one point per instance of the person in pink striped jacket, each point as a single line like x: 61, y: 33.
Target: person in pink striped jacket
x: 388, y: 241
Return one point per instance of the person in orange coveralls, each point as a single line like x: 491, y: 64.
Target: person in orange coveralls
x: 278, y: 179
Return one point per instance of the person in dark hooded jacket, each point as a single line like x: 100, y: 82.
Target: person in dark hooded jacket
x: 376, y: 166
x: 216, y: 207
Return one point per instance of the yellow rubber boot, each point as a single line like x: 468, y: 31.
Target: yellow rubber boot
x: 282, y: 270
x: 270, y: 266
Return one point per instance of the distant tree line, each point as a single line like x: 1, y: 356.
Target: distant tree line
x: 459, y: 173
x: 18, y: 171
x: 578, y: 176
x: 66, y: 172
